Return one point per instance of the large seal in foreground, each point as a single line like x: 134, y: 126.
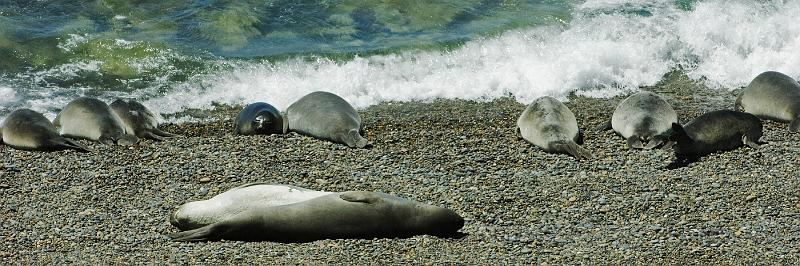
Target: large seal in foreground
x: 774, y: 96
x: 550, y: 125
x: 138, y: 120
x: 92, y: 119
x: 197, y: 214
x: 644, y: 119
x: 26, y: 129
x: 258, y: 118
x: 715, y: 131
x: 352, y: 214
x: 325, y: 115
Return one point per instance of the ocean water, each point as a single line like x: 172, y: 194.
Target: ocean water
x: 175, y: 55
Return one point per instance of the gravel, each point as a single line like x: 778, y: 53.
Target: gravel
x: 521, y: 205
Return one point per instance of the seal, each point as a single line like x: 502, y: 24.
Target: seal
x: 258, y: 118
x: 721, y: 130
x: 550, y: 125
x: 92, y: 119
x: 137, y: 119
x: 26, y: 129
x: 352, y: 214
x: 197, y: 214
x: 644, y: 119
x: 773, y: 96
x: 325, y: 115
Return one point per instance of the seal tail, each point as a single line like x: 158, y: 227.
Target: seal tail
x: 573, y: 149
x: 200, y: 234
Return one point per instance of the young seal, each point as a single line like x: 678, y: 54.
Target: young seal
x: 550, y: 125
x: 197, y: 214
x: 324, y: 115
x: 774, y: 96
x: 258, y: 118
x: 26, y: 129
x: 138, y: 120
x: 644, y: 119
x: 352, y: 214
x: 92, y: 119
x: 715, y: 131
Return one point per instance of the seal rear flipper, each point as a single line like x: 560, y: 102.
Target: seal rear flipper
x: 152, y: 135
x: 738, y: 105
x: 794, y: 126
x: 654, y: 142
x: 71, y: 144
x: 162, y: 133
x: 750, y: 143
x: 359, y: 196
x: 635, y: 142
x: 200, y: 234
x: 354, y: 140
x: 572, y: 148
x: 603, y: 127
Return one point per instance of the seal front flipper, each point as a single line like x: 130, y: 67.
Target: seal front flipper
x: 359, y: 196
x: 794, y: 126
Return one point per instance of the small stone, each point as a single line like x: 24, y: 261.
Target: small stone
x: 4, y: 186
x: 321, y: 181
x: 205, y: 180
x: 751, y: 197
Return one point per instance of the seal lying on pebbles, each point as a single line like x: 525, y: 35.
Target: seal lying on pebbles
x: 138, y: 120
x: 26, y: 129
x: 644, y: 119
x: 197, y: 214
x: 715, y: 131
x: 259, y: 118
x: 774, y: 96
x: 352, y: 214
x: 550, y: 125
x: 92, y: 119
x: 324, y: 115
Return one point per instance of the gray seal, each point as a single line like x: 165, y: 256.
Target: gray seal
x: 721, y: 130
x: 644, y: 119
x: 550, y: 125
x: 26, y: 129
x: 138, y: 120
x: 325, y: 115
x: 258, y: 119
x: 92, y: 119
x: 352, y: 214
x: 774, y: 96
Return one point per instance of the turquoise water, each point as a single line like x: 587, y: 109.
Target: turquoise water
x: 175, y: 54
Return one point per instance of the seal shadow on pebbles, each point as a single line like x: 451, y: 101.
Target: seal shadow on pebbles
x: 26, y: 129
x: 644, y: 119
x: 314, y: 215
x: 715, y: 131
x: 138, y: 119
x: 92, y: 119
x: 325, y: 115
x: 773, y: 96
x: 550, y: 125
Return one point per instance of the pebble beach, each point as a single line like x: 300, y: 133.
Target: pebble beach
x: 520, y: 204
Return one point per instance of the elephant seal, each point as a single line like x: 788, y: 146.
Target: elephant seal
x: 325, y: 115
x: 721, y: 130
x: 644, y: 119
x: 352, y: 214
x: 550, y: 125
x: 197, y: 214
x: 26, y: 129
x: 92, y: 119
x: 774, y: 96
x: 138, y: 120
x: 258, y: 118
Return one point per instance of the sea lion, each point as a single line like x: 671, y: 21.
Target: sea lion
x: 721, y: 130
x: 550, y: 125
x: 138, y: 120
x: 325, y: 115
x: 352, y: 214
x: 644, y: 119
x: 26, y: 129
x: 258, y: 118
x: 774, y: 96
x: 92, y: 119
x: 197, y: 214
